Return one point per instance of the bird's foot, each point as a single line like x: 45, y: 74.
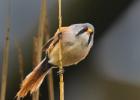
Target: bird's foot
x: 61, y: 71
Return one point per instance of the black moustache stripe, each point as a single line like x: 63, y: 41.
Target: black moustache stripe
x: 90, y: 37
x: 82, y: 31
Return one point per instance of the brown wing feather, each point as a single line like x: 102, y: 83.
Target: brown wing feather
x: 47, y: 44
x: 54, y: 40
x: 51, y: 43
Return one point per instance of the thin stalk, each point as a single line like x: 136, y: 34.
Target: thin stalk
x: 39, y: 39
x: 50, y: 85
x: 21, y: 63
x: 35, y: 95
x: 61, y: 82
x: 5, y: 55
x: 5, y: 66
x: 50, y: 74
x: 20, y: 60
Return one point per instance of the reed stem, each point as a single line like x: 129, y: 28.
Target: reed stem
x: 39, y: 38
x: 61, y: 82
x: 5, y: 66
x: 6, y: 54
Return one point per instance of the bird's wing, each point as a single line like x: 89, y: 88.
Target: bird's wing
x: 47, y: 44
x: 54, y: 40
x: 51, y: 42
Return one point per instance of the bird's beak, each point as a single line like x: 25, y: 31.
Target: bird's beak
x: 89, y: 31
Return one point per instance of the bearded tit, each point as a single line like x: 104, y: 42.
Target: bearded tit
x: 76, y: 39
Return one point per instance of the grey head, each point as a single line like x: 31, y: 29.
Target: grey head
x: 83, y: 31
x: 81, y: 26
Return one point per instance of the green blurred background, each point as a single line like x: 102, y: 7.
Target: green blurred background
x: 112, y: 69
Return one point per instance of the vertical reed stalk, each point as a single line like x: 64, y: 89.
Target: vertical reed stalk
x: 5, y: 65
x: 50, y: 74
x: 35, y: 95
x: 5, y: 55
x: 61, y: 83
x: 50, y: 85
x: 39, y: 40
x: 20, y: 61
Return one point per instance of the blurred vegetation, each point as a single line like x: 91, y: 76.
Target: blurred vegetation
x: 101, y: 14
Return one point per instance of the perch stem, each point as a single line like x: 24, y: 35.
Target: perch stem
x: 61, y: 82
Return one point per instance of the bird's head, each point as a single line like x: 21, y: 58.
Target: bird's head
x: 83, y: 31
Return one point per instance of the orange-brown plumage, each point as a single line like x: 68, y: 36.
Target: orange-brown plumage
x: 33, y: 81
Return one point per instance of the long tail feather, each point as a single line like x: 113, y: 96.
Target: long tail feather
x: 33, y: 81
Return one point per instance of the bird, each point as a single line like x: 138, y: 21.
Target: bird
x: 76, y: 40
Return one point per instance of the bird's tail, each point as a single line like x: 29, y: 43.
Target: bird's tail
x: 33, y: 81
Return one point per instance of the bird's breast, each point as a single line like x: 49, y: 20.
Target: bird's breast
x: 72, y: 53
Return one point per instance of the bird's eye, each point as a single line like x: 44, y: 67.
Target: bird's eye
x: 82, y: 31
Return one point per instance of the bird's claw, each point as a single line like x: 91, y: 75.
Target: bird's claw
x: 61, y: 71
